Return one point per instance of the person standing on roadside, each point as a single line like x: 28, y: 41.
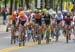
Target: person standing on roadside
x: 4, y: 15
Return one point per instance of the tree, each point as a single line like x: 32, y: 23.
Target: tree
x: 5, y: 2
x: 59, y: 3
x: 15, y: 4
x: 0, y: 6
x: 28, y: 2
x: 11, y: 6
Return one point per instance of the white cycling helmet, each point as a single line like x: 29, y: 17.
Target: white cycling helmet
x: 59, y: 12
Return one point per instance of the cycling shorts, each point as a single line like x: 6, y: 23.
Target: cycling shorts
x: 22, y: 22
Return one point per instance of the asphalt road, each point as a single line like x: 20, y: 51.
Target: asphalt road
x: 52, y: 47
x: 59, y: 46
x: 4, y: 40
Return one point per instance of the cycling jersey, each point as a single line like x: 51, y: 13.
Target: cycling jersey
x: 47, y: 19
x: 23, y: 20
x: 59, y: 18
x: 68, y: 20
x: 37, y: 16
x: 13, y: 20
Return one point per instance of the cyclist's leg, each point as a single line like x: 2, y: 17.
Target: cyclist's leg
x: 12, y: 34
x: 23, y: 36
x: 67, y: 35
x: 20, y: 29
x: 39, y: 38
x: 15, y: 37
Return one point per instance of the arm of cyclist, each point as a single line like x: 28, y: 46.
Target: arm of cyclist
x: 26, y: 18
x: 10, y: 20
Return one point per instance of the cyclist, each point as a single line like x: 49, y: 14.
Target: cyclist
x: 37, y: 17
x: 47, y: 18
x: 22, y: 20
x: 68, y: 26
x: 11, y: 19
x: 59, y: 17
x: 12, y: 23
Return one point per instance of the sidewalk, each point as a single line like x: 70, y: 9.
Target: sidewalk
x: 1, y: 19
x: 3, y: 28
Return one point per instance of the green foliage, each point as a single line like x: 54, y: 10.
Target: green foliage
x: 18, y: 1
x: 30, y: 0
x: 3, y: 1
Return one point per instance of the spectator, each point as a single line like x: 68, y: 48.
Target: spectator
x: 4, y: 15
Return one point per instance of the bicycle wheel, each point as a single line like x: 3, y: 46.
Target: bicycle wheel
x: 22, y: 37
x: 67, y: 36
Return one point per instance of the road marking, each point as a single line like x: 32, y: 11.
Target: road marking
x: 17, y: 47
x: 26, y: 45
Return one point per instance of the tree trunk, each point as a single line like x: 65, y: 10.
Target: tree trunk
x: 51, y: 3
x: 22, y: 3
x: 11, y: 6
x: 43, y: 4
x: 0, y: 7
x: 15, y: 5
x: 27, y: 3
x: 5, y: 3
x: 61, y: 4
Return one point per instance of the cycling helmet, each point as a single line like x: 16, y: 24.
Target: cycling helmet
x: 40, y: 11
x: 59, y: 12
x: 21, y: 13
